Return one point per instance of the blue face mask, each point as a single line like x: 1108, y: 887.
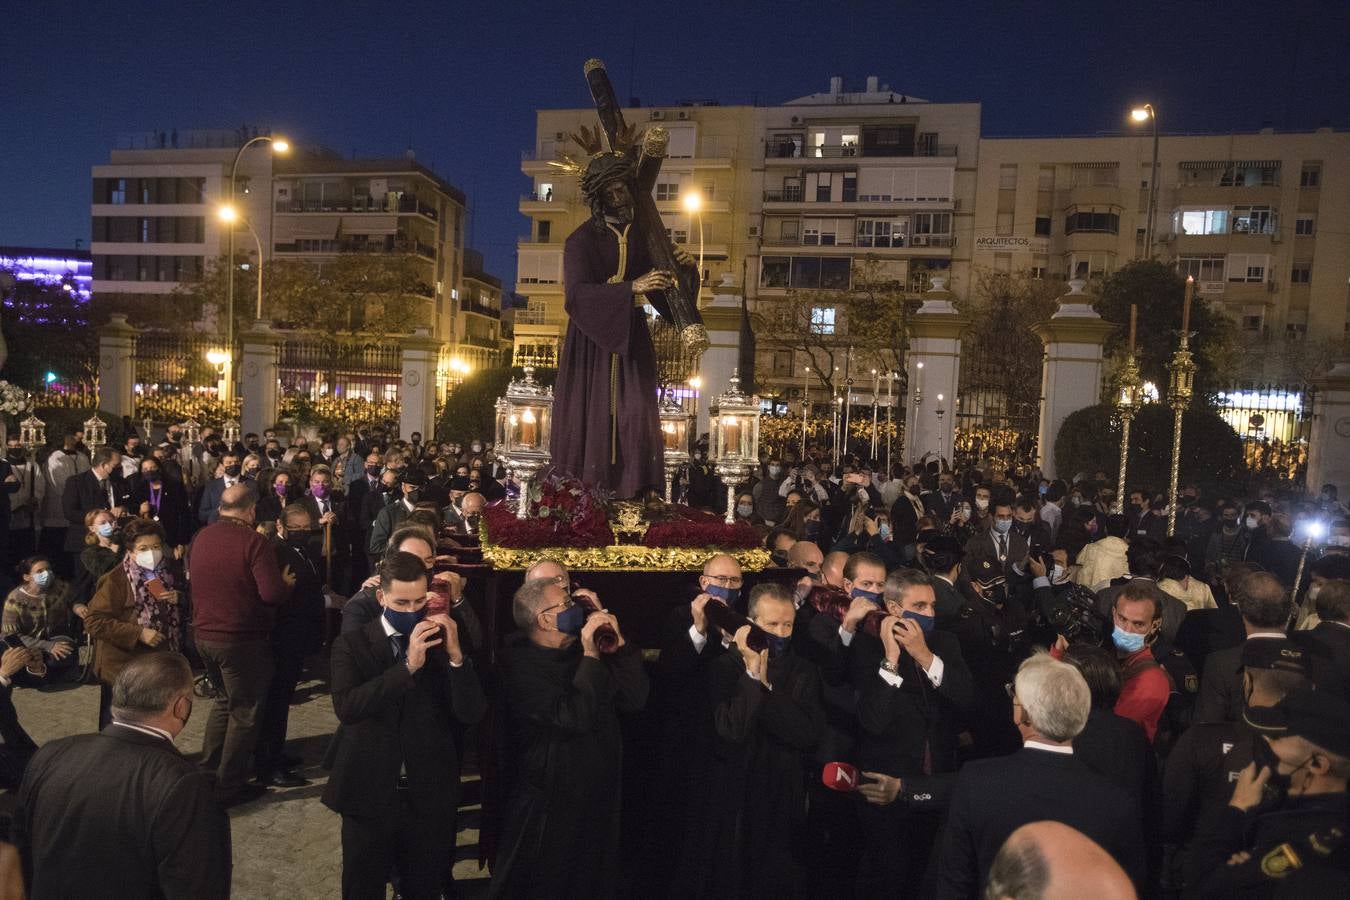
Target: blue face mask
x: 106, y: 529
x: 1044, y: 489
x: 871, y: 596
x: 570, y: 620
x: 926, y: 623
x: 811, y: 529
x: 727, y: 595
x: 778, y: 645
x: 1127, y: 641
x: 1003, y: 526
x: 404, y: 622
x: 884, y: 530
x: 43, y: 578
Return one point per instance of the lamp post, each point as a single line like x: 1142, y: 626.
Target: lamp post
x: 940, y: 413
x: 890, y: 419
x: 279, y: 145
x: 1141, y: 114
x: 734, y: 441
x: 1179, y: 396
x: 1127, y: 404
x: 806, y: 404
x: 693, y: 204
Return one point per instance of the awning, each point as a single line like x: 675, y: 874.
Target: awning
x: 324, y: 227
x: 1230, y: 163
x: 370, y: 224
x: 1094, y: 165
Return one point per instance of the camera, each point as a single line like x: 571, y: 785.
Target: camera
x: 1074, y: 614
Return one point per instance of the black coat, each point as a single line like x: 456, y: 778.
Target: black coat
x: 82, y: 494
x: 120, y: 814
x: 1328, y: 647
x: 994, y: 797
x: 389, y: 718
x: 208, y: 509
x: 1220, y: 697
x: 175, y: 515
x: 1117, y: 749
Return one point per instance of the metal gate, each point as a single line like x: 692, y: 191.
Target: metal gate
x: 1275, y: 424
x: 998, y: 398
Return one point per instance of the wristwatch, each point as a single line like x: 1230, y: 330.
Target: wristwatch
x: 889, y: 666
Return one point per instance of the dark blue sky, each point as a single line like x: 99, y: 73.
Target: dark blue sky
x: 459, y: 81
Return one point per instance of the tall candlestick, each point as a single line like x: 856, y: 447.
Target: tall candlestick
x: 806, y: 404
x: 1186, y: 305
x: 1134, y: 314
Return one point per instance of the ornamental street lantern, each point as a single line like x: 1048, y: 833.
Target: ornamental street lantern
x: 674, y: 438
x: 525, y: 418
x: 734, y: 419
x: 32, y: 433
x: 192, y: 432
x: 229, y: 432
x: 1128, y: 401
x: 95, y: 431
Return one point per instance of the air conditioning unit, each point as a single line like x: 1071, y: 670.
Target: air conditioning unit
x: 918, y: 240
x: 656, y: 115
x: 682, y: 115
x: 754, y: 231
x: 558, y: 135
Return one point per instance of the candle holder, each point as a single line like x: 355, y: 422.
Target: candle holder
x: 1127, y: 404
x: 1181, y: 387
x: 524, y: 420
x: 734, y: 419
x: 229, y: 432
x: 192, y: 432
x: 95, y: 431
x: 675, y: 440
x: 32, y: 433
x: 940, y: 413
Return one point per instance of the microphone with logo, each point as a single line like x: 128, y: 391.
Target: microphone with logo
x: 840, y: 776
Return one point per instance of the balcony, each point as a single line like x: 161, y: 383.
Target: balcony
x: 895, y: 242
x: 787, y: 195
x: 389, y: 244
x: 786, y: 150
x: 409, y: 205
x: 481, y: 309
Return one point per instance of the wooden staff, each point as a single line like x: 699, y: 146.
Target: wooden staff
x: 327, y: 553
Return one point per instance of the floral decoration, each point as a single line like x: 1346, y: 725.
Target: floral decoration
x: 684, y: 526
x: 14, y: 400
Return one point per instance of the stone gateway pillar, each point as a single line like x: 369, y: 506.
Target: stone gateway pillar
x: 1329, y: 442
x: 417, y: 393
x: 117, y: 366
x: 933, y: 369
x: 1072, y: 376
x: 258, y: 371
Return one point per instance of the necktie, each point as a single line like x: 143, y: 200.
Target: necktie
x: 397, y: 641
x: 1002, y: 547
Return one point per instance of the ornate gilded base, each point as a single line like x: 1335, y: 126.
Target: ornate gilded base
x: 695, y: 338
x: 627, y: 557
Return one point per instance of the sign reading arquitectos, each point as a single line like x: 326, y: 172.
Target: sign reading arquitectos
x: 1012, y: 244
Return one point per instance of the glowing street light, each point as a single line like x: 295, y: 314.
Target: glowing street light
x: 693, y: 204
x: 1140, y: 115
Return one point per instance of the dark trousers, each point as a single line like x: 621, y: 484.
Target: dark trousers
x: 419, y: 848
x: 242, y: 673
x: 287, y: 666
x: 898, y: 846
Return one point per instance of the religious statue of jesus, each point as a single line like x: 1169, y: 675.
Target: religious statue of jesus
x: 606, y: 430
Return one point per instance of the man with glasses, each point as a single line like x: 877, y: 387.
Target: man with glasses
x: 562, y: 698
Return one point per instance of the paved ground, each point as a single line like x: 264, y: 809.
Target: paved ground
x: 287, y: 844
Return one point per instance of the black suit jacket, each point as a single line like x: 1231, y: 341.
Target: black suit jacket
x: 940, y: 507
x: 994, y: 797
x: 175, y: 516
x: 392, y: 718
x: 83, y: 494
x: 209, y: 508
x: 981, y: 562
x: 120, y: 814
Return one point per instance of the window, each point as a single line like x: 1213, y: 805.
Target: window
x: 545, y: 230
x: 1295, y: 331
x: 1201, y: 221
x: 545, y: 192
x: 1003, y: 263
x: 1248, y: 267
x: 932, y: 223
x: 1202, y: 268
x: 667, y: 190
x: 789, y: 229
x: 1039, y: 265
x: 678, y: 235
x: 709, y: 189
x: 1303, y: 226
x: 1102, y: 221
x: 118, y: 194
x: 1045, y: 179
x: 1043, y: 226
x: 1007, y: 178
x: 1310, y: 176
x: 882, y: 232
x: 822, y: 187
x: 782, y: 363
x: 822, y: 319
x: 1250, y: 175
x: 773, y: 272
x: 1095, y: 175
x: 1300, y: 273
x: 1251, y: 323
x: 1004, y: 223
x: 836, y: 273
x: 1253, y: 220
x: 1090, y: 265
x: 850, y: 191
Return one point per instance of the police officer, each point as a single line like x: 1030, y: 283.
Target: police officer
x: 1207, y: 760
x: 992, y: 628
x: 1288, y: 811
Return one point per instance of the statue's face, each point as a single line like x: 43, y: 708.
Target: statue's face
x: 617, y: 201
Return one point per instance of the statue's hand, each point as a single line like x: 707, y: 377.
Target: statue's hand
x: 655, y: 280
x: 685, y: 258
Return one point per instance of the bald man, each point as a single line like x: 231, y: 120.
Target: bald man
x: 832, y: 569
x: 1051, y: 861
x: 237, y: 585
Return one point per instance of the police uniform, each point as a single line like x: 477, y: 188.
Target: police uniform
x: 1301, y: 839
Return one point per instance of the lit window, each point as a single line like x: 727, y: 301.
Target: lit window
x: 822, y: 319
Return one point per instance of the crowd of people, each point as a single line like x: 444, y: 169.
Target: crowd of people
x: 947, y: 683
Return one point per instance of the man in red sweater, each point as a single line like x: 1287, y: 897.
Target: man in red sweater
x: 236, y: 587
x: 1137, y: 617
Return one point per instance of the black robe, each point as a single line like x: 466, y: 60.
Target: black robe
x: 754, y: 837
x: 560, y: 835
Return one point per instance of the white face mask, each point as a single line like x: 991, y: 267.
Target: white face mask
x: 1253, y: 523
x: 148, y: 559
x: 1057, y: 574
x: 1314, y: 591
x: 981, y: 504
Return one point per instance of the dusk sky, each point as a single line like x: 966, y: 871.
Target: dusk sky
x: 459, y: 82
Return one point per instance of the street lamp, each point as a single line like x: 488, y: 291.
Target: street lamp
x: 1141, y: 114
x: 230, y: 216
x: 279, y: 145
x: 220, y: 359
x: 693, y: 204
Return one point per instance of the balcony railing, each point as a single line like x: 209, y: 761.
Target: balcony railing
x: 387, y: 244
x: 786, y: 195
x: 536, y: 197
x: 792, y: 150
x: 357, y: 205
x: 536, y: 317
x: 868, y: 243
x: 481, y: 309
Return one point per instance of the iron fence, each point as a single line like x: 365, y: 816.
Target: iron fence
x: 998, y: 399
x: 1275, y: 424
x: 174, y: 379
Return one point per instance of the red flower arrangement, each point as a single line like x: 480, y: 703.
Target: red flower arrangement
x: 689, y: 527
x: 562, y: 512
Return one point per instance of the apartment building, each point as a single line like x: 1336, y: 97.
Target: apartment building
x: 800, y: 192
x: 1262, y: 220
x: 155, y: 225
x: 478, y: 318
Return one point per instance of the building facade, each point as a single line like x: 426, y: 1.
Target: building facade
x: 801, y: 192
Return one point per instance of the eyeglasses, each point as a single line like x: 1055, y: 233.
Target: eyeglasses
x: 726, y: 580
x: 566, y: 604
x: 1011, y: 690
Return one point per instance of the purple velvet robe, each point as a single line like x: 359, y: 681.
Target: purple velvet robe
x: 603, y: 320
